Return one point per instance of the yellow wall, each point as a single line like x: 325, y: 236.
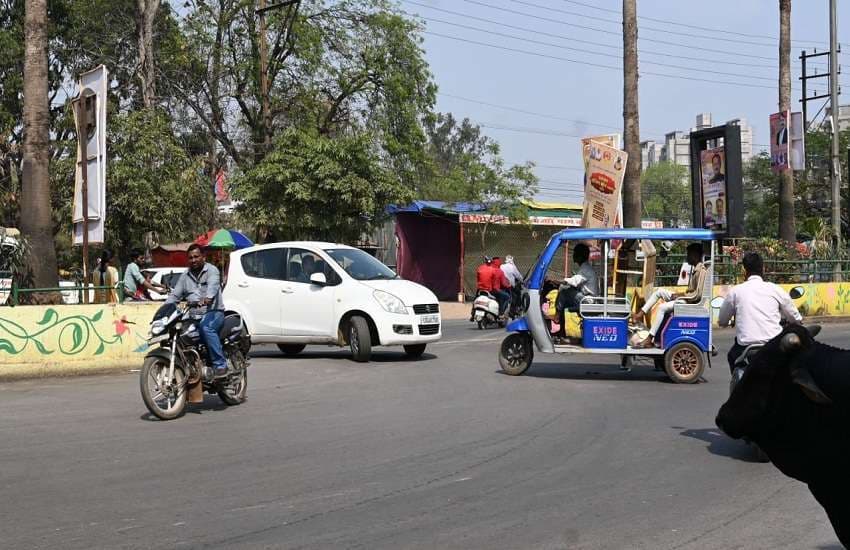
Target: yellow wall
x: 820, y: 299
x: 78, y: 336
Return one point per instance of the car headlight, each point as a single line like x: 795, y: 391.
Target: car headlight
x: 389, y: 302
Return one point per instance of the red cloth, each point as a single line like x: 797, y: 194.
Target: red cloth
x: 500, y: 281
x: 484, y: 275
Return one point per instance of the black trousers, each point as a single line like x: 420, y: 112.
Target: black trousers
x: 734, y: 352
x: 568, y: 300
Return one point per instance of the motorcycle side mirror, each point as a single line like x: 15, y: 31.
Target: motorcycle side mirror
x: 717, y: 303
x: 797, y: 292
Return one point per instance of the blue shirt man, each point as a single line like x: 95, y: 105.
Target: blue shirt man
x: 202, y: 285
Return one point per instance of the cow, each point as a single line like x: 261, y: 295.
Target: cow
x: 793, y: 402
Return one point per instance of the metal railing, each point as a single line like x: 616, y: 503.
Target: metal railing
x: 15, y: 292
x: 727, y: 271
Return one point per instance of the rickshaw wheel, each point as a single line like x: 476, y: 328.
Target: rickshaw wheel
x: 516, y: 354
x: 684, y: 363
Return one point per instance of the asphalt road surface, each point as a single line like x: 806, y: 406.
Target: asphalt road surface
x: 443, y: 452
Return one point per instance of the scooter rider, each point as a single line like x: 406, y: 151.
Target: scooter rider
x: 758, y: 308
x: 501, y: 285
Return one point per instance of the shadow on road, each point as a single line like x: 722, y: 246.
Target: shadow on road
x: 211, y: 403
x: 341, y: 354
x: 574, y: 371
x: 720, y: 444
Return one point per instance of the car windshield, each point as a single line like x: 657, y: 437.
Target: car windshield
x: 360, y: 265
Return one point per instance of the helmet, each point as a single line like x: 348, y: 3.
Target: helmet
x: 487, y: 259
x: 509, y: 259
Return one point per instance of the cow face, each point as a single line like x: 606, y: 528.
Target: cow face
x: 772, y: 372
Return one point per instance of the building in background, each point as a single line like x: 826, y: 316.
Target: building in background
x: 677, y: 144
x: 843, y: 117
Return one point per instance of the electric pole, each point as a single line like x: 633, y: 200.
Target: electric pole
x: 631, y: 121
x: 834, y: 108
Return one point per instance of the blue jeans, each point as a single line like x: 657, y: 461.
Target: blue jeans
x: 210, y: 325
x: 503, y: 298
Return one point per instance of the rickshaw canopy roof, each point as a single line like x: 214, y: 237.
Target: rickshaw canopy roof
x: 636, y: 233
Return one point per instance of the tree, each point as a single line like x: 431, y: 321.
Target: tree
x: 666, y: 194
x: 631, y: 122
x: 36, y: 222
x: 761, y: 199
x: 145, y: 14
x: 465, y: 165
x: 787, y: 222
x: 314, y: 187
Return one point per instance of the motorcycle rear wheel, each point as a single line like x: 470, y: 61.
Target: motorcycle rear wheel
x: 164, y: 399
x: 234, y: 392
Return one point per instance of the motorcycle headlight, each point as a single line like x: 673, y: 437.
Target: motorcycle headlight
x: 157, y: 328
x: 389, y: 302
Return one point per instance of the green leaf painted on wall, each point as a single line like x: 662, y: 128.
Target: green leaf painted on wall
x: 43, y: 350
x: 49, y: 316
x: 6, y: 345
x: 96, y: 317
x: 100, y: 349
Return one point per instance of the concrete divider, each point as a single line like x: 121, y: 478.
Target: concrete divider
x: 68, y: 339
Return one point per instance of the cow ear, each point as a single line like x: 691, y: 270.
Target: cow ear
x: 802, y: 378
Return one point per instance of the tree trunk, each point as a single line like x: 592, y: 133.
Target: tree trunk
x: 36, y: 213
x: 631, y: 123
x: 787, y: 222
x: 145, y: 15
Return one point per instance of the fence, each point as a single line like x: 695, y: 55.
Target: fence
x: 729, y: 272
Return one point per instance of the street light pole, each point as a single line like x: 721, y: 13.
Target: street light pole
x: 833, y: 94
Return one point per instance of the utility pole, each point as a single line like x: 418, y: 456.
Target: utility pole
x: 261, y: 11
x: 264, y: 77
x: 804, y: 100
x: 631, y: 121
x: 833, y: 102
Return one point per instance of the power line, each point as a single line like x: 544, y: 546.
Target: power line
x: 710, y: 29
x: 582, y: 41
x: 600, y: 65
x: 642, y: 27
x: 550, y: 44
x: 617, y: 33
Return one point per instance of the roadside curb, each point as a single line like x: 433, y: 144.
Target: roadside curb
x: 15, y: 373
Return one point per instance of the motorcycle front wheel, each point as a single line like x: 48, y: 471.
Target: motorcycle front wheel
x: 165, y: 399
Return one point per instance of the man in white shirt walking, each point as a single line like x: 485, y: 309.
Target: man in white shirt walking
x: 758, y: 308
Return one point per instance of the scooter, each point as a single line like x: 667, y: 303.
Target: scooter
x: 485, y: 311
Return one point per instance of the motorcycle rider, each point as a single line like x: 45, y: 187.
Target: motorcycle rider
x: 201, y: 284
x: 758, y: 308
x: 501, y: 285
x: 514, y: 278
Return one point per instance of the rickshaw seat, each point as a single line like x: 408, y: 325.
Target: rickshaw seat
x: 701, y: 309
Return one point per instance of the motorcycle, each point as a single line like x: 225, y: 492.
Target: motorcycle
x: 176, y: 370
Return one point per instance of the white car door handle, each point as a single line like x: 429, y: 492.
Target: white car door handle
x: 287, y: 290
x: 242, y: 285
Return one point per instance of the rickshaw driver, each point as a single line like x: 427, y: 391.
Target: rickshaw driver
x: 575, y: 288
x: 691, y: 296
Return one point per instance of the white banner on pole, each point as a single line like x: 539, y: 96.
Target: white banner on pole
x: 93, y: 87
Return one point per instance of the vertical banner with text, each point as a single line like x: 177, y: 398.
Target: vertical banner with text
x: 604, y: 184
x: 609, y: 140
x: 780, y: 140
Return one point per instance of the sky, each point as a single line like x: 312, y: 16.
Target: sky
x: 540, y: 74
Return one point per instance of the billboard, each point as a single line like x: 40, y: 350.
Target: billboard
x: 798, y: 142
x: 712, y: 170
x: 605, y: 166
x: 780, y: 140
x: 90, y: 105
x: 717, y: 179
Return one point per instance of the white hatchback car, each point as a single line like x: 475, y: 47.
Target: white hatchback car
x: 298, y: 293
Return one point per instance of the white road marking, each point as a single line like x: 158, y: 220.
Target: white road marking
x: 469, y: 341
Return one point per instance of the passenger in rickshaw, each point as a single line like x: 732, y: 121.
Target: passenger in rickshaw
x: 575, y: 288
x: 692, y: 295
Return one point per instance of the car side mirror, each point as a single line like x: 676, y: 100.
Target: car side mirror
x: 318, y: 279
x: 797, y: 292
x: 717, y: 302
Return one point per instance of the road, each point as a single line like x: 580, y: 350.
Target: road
x: 444, y: 452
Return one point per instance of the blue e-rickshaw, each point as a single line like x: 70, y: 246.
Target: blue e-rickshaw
x: 685, y: 339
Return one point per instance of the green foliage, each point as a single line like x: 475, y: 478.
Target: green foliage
x: 319, y: 188
x: 464, y: 165
x: 666, y: 194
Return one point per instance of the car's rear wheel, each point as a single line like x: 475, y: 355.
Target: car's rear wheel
x: 359, y: 339
x: 291, y: 349
x: 414, y: 351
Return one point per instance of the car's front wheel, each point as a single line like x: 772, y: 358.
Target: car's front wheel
x: 359, y: 339
x: 291, y: 349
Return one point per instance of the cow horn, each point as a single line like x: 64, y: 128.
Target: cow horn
x: 790, y: 342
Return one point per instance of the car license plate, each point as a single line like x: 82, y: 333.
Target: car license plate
x: 429, y: 320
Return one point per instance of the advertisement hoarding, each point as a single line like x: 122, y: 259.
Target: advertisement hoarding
x: 780, y: 140
x: 712, y: 169
x: 605, y: 167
